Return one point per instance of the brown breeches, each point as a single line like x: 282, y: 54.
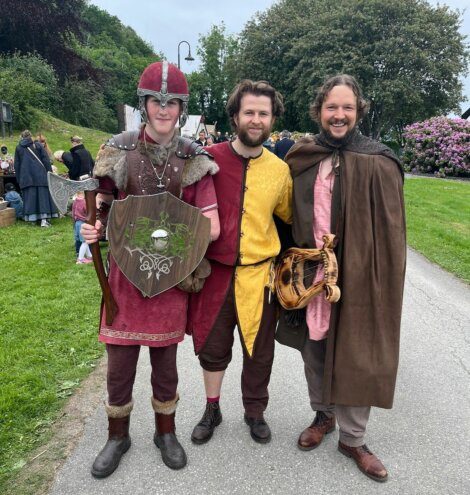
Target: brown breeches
x: 122, y: 365
x: 352, y: 420
x: 217, y: 353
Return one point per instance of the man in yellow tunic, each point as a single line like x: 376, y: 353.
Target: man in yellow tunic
x: 252, y: 186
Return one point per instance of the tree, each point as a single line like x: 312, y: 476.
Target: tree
x: 406, y: 54
x: 210, y: 86
x: 28, y: 82
x: 117, y: 52
x: 48, y: 28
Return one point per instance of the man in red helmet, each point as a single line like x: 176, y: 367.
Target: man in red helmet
x: 145, y: 162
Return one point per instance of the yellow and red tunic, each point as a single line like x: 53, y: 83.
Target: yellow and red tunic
x: 249, y: 192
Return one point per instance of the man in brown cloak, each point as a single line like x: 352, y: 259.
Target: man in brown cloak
x: 352, y: 186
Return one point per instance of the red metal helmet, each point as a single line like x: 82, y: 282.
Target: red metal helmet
x: 164, y: 81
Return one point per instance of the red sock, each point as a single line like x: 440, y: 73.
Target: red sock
x: 213, y: 399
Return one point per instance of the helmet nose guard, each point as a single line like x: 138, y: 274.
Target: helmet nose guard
x: 164, y: 81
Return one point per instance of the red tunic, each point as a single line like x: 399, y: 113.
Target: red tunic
x: 161, y: 320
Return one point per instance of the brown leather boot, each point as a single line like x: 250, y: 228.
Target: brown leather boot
x: 366, y: 461
x: 173, y: 454
x: 312, y: 436
x: 211, y: 418
x: 117, y: 445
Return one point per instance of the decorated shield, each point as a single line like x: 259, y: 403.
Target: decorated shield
x: 157, y: 240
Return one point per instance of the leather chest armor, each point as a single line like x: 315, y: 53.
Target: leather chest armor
x: 144, y: 178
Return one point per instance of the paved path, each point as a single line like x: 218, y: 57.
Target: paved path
x: 424, y: 440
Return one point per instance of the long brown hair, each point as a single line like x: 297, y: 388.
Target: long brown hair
x: 42, y: 139
x: 328, y: 85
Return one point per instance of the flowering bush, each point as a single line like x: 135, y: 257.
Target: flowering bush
x: 439, y: 146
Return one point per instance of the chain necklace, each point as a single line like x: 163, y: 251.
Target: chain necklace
x: 160, y: 177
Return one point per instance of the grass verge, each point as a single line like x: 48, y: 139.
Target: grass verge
x: 438, y: 222
x: 48, y: 339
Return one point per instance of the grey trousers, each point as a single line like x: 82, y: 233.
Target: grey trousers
x: 352, y: 421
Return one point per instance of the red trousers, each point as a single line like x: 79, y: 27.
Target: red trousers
x: 122, y: 366
x: 217, y: 353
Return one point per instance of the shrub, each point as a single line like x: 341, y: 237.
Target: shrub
x: 439, y: 146
x: 83, y: 104
x: 27, y: 82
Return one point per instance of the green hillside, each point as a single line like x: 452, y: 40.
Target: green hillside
x: 58, y: 135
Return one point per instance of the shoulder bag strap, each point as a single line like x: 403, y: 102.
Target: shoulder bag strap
x: 35, y: 156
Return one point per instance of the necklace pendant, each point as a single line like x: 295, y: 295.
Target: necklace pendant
x: 160, y: 185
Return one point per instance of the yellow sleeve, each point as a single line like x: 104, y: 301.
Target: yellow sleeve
x: 284, y: 206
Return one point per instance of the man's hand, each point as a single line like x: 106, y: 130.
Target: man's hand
x: 91, y: 233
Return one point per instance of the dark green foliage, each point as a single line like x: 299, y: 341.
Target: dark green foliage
x: 28, y: 82
x: 406, y: 54
x: 46, y: 27
x: 83, y: 104
x: 118, y: 53
x: 210, y: 86
x: 97, y: 61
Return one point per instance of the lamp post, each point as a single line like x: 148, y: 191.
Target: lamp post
x: 189, y: 58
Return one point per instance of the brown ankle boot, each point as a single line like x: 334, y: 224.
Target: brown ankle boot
x: 211, y: 418
x: 173, y: 454
x: 117, y: 445
x: 366, y: 461
x: 312, y: 436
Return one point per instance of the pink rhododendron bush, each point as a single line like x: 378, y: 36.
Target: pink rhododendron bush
x: 439, y: 146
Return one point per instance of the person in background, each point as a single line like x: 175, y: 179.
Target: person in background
x: 209, y: 140
x: 283, y: 145
x: 40, y: 138
x: 268, y: 144
x: 31, y: 165
x: 82, y: 161
x: 64, y: 157
x: 220, y: 138
x: 14, y: 199
x: 202, y: 138
x: 79, y: 215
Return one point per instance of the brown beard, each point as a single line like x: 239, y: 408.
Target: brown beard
x: 253, y: 143
x: 339, y: 142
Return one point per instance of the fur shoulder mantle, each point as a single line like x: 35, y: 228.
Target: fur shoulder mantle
x: 112, y: 160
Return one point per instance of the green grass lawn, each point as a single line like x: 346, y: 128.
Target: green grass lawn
x: 438, y: 222
x: 48, y: 339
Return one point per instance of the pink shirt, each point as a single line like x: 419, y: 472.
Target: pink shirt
x: 79, y: 209
x: 319, y: 309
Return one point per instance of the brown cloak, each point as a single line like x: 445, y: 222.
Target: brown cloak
x: 369, y: 220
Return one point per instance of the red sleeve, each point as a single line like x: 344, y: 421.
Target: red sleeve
x: 201, y: 194
x: 107, y: 185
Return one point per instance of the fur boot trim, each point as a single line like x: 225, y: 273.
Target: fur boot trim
x: 196, y: 168
x: 113, y: 163
x: 119, y: 411
x: 168, y: 407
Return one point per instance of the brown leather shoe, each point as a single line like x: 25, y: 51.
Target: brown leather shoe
x: 366, y: 461
x: 312, y: 436
x: 211, y: 418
